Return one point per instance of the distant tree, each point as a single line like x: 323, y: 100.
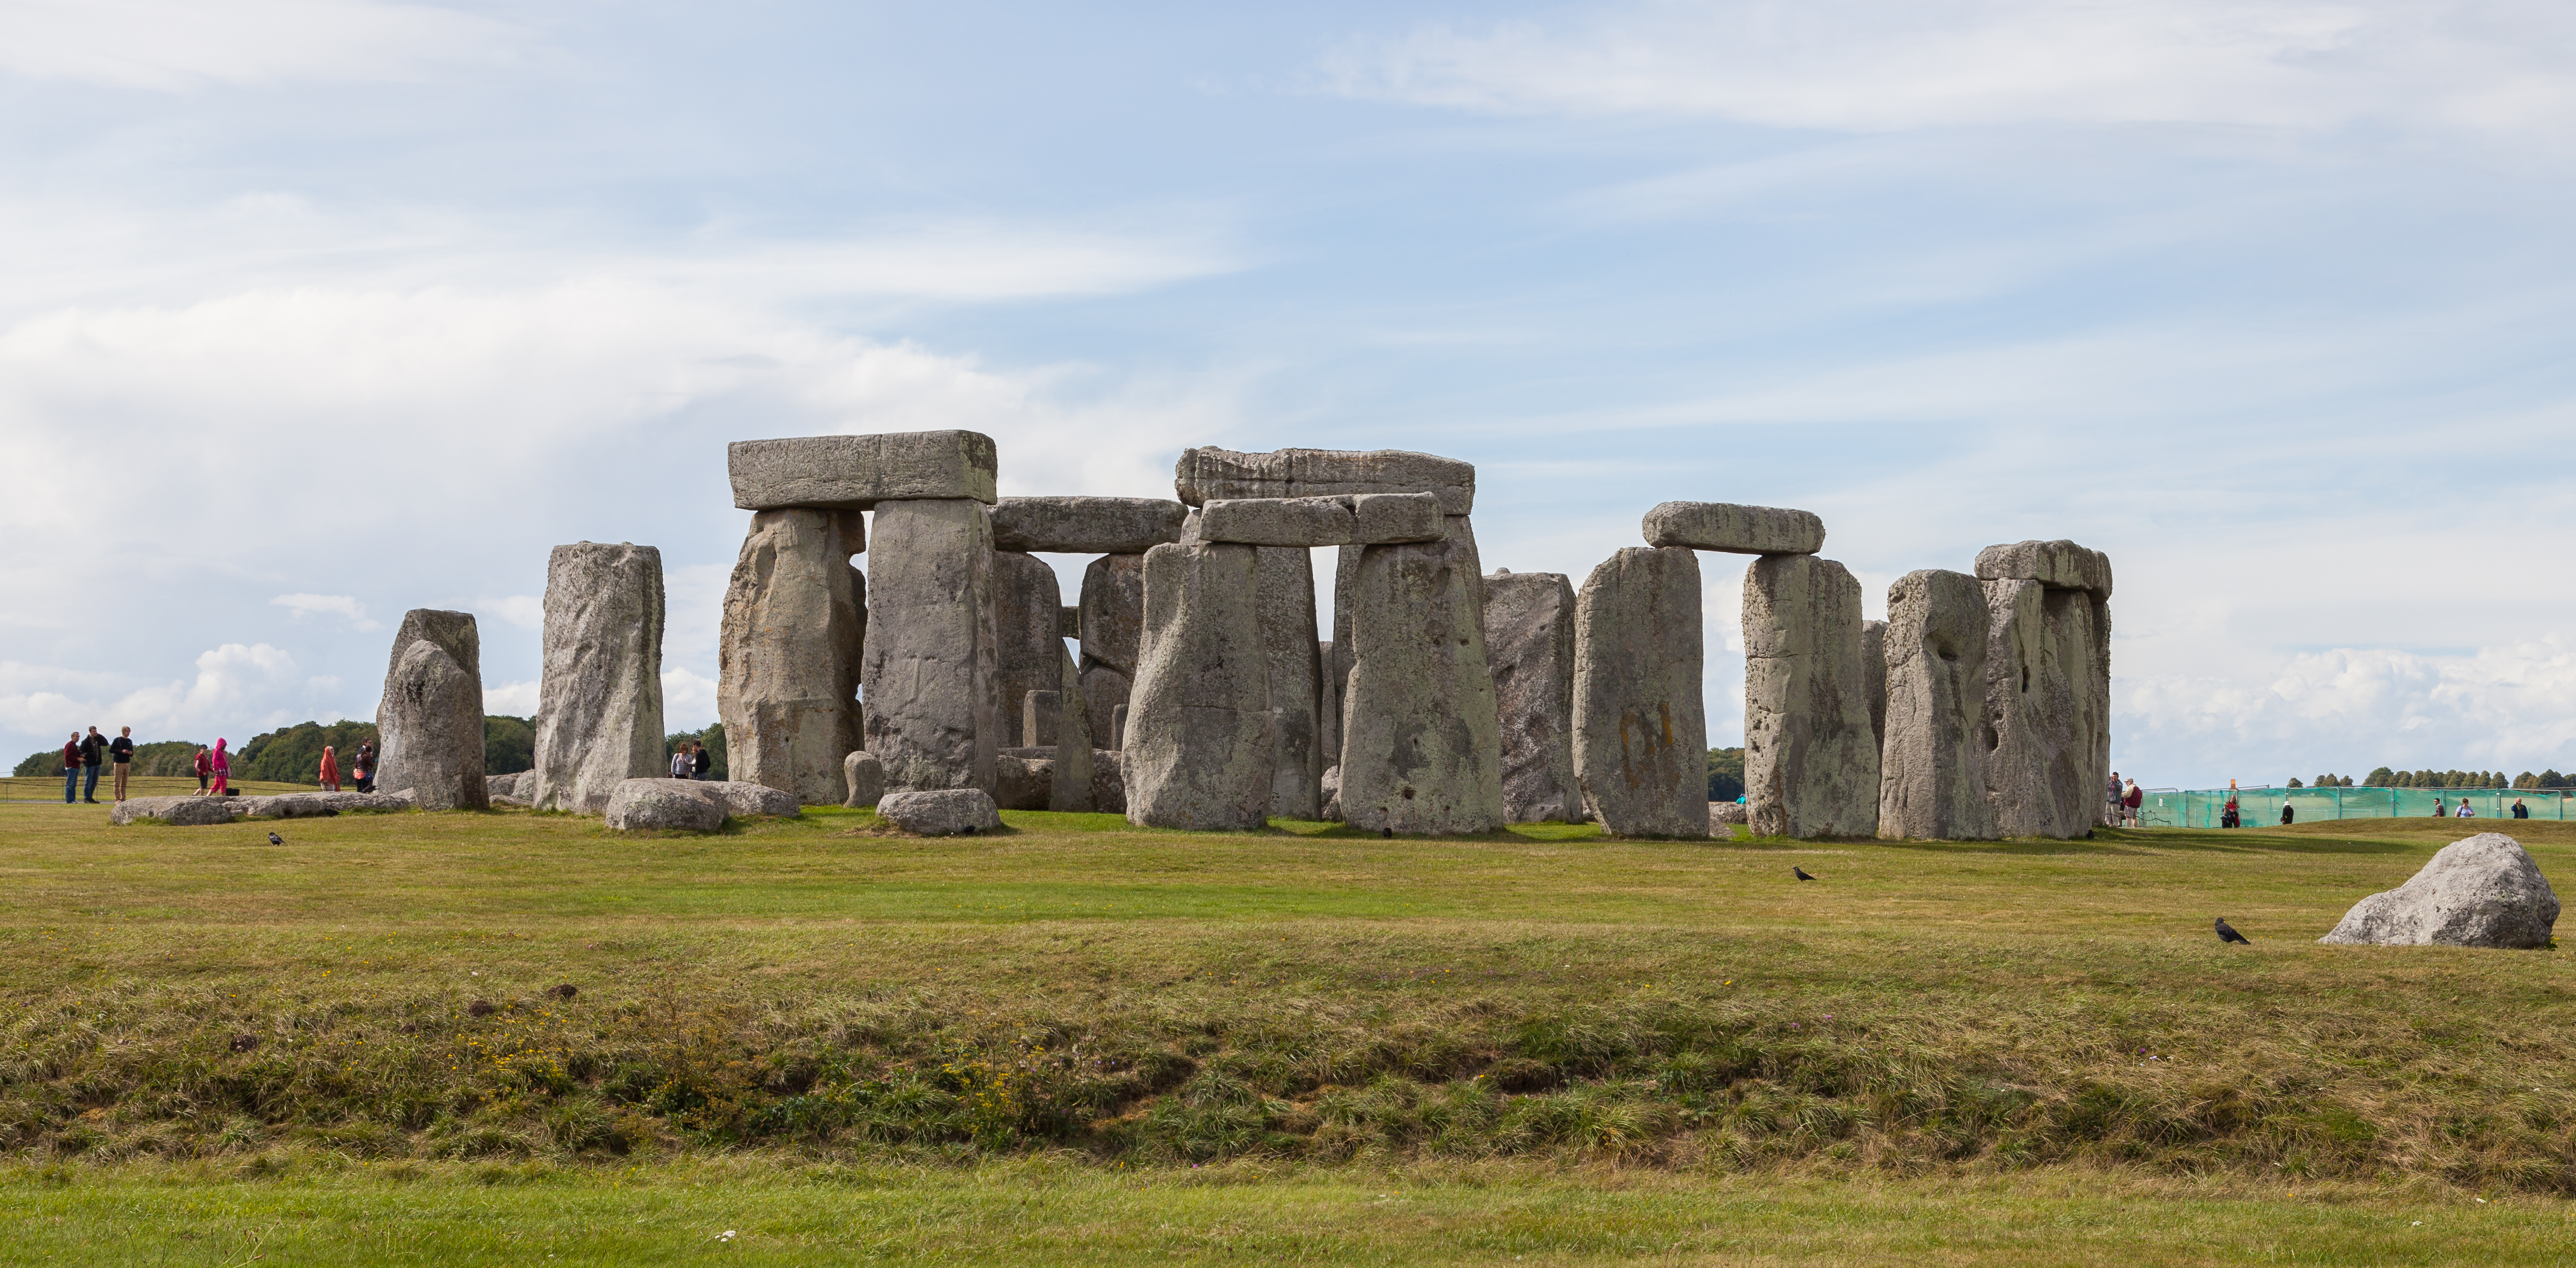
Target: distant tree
x: 509, y: 744
x: 713, y: 737
x: 2381, y: 777
x: 1725, y: 774
x: 42, y: 762
x: 2552, y: 779
x: 2294, y: 781
x: 293, y: 755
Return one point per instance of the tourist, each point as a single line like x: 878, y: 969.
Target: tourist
x: 93, y: 755
x: 2112, y: 803
x: 681, y: 766
x: 2520, y: 811
x: 362, y: 767
x: 2287, y: 814
x: 2135, y: 798
x: 120, y: 752
x: 699, y: 761
x: 205, y: 768
x: 2439, y: 811
x: 2230, y: 818
x: 330, y: 772
x: 2464, y: 811
x: 71, y: 770
x: 223, y: 768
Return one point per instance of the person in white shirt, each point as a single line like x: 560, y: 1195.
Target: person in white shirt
x: 2465, y: 812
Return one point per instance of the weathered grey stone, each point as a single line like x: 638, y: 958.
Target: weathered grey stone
x: 1640, y: 724
x: 1207, y: 474
x: 314, y: 804
x: 1368, y: 520
x: 1069, y: 621
x: 941, y: 812
x: 1529, y: 641
x: 1024, y: 778
x: 1328, y: 706
x: 864, y: 775
x: 932, y: 670
x: 1118, y: 727
x: 1199, y: 731
x: 2046, y: 724
x: 1027, y: 615
x: 1331, y: 787
x: 855, y: 473
x: 429, y: 722
x: 1113, y: 621
x: 1421, y: 742
x: 795, y: 616
x: 519, y: 784
x: 1346, y: 580
x: 599, y: 712
x: 1071, y: 789
x: 1287, y: 580
x: 1873, y: 669
x: 662, y: 803
x: 2058, y: 565
x: 186, y: 812
x: 1932, y: 781
x: 1740, y: 530
x: 2480, y: 891
x: 1039, y: 715
x: 1723, y: 815
x: 1086, y: 525
x: 1810, y: 762
x: 1108, y: 785
x: 740, y: 798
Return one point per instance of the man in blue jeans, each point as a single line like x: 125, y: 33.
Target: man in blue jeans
x: 71, y: 770
x: 93, y: 756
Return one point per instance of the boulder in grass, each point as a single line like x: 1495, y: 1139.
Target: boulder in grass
x: 738, y: 797
x: 1723, y: 815
x: 2481, y: 891
x: 940, y: 812
x: 192, y: 812
x: 663, y: 803
x: 865, y: 776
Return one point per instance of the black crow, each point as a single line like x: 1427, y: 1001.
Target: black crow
x: 1800, y: 872
x: 1386, y: 832
x: 2227, y: 933
x: 274, y: 839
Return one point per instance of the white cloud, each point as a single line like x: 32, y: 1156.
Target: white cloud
x: 304, y: 605
x: 526, y: 611
x: 238, y: 690
x: 516, y: 700
x: 688, y: 700
x: 176, y: 45
x: 1876, y: 65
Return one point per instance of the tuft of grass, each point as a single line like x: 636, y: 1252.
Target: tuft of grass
x: 383, y: 989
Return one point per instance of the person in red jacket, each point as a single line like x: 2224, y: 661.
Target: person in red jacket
x: 205, y: 768
x: 71, y: 770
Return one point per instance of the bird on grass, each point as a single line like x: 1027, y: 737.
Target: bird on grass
x: 2227, y: 933
x: 274, y: 839
x: 1799, y: 872
x: 1386, y: 832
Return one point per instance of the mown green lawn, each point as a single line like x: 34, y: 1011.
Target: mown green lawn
x: 1080, y: 1042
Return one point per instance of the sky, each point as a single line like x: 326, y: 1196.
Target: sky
x: 315, y: 311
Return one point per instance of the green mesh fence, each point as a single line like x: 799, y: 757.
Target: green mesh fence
x: 2203, y: 807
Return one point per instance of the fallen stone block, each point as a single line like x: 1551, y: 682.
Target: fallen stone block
x: 1086, y: 525
x: 2480, y: 891
x: 740, y: 798
x: 854, y: 473
x: 1740, y: 530
x: 186, y: 811
x: 941, y: 812
x: 662, y: 804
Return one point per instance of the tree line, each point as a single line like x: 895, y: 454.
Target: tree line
x: 293, y: 755
x: 2386, y: 778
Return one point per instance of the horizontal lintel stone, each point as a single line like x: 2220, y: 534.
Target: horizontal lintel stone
x: 857, y: 472
x: 1739, y: 530
x: 1372, y: 519
x: 1207, y: 474
x: 2058, y: 565
x: 1086, y: 525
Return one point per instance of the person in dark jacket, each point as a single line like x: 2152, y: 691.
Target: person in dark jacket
x: 120, y: 756
x: 700, y: 761
x: 2287, y: 814
x: 93, y: 756
x: 71, y: 770
x: 2520, y: 811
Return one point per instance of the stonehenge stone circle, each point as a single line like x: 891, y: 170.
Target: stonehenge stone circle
x: 1073, y: 742
x: 1028, y: 620
x: 1368, y: 519
x: 1040, y: 715
x: 2047, y: 711
x: 1113, y: 624
x: 1421, y: 741
x: 864, y: 776
x: 1529, y: 643
x: 2058, y: 565
x: 1023, y: 778
x: 1085, y: 525
x: 429, y: 722
x: 1286, y: 576
x: 794, y: 626
x: 1200, y: 734
x: 854, y: 473
x: 2480, y: 891
x: 662, y: 803
x: 1206, y: 474
x: 1810, y: 762
x: 184, y: 812
x: 941, y: 812
x: 1932, y: 784
x: 1108, y: 782
x: 1873, y: 667
x: 1640, y: 725
x: 931, y: 668
x: 1739, y: 530
x: 599, y: 712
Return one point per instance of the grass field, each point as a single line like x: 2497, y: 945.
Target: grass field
x: 1081, y: 1042
x: 50, y: 787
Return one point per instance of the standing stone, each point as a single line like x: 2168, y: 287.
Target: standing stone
x: 1810, y: 762
x: 1073, y: 761
x: 1932, y: 782
x: 1328, y: 704
x: 1346, y: 597
x: 1287, y: 581
x: 599, y: 712
x: 1113, y: 622
x: 1199, y: 732
x: 2050, y: 705
x: 865, y: 777
x: 1529, y: 641
x: 1873, y: 667
x: 1640, y: 725
x: 1421, y: 742
x: 794, y: 620
x: 932, y: 672
x: 1028, y: 622
x: 429, y: 722
x: 1039, y: 716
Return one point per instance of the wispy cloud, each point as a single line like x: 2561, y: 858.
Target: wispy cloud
x: 340, y: 605
x: 178, y: 45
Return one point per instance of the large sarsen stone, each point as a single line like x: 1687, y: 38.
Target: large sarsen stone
x: 1640, y: 724
x: 429, y: 722
x: 1086, y: 525
x: 599, y: 712
x: 2058, y: 565
x: 1932, y: 784
x: 1530, y: 644
x: 1810, y: 762
x: 1199, y: 728
x: 1113, y: 623
x: 1287, y: 581
x: 2481, y: 891
x: 854, y: 473
x: 1421, y: 741
x: 1206, y: 474
x: 1741, y: 530
x: 787, y: 663
x: 932, y: 668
